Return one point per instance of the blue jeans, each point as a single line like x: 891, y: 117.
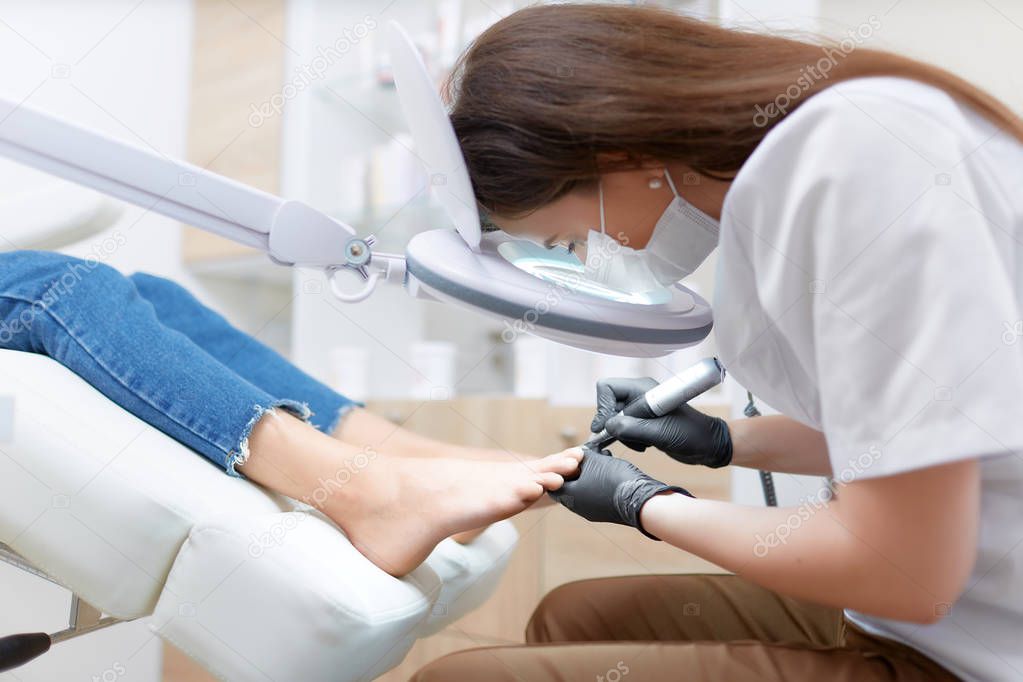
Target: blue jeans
x: 151, y: 347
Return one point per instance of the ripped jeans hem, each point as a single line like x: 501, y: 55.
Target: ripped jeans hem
x: 240, y: 455
x: 340, y: 414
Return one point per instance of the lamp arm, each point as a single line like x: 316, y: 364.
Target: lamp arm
x: 290, y: 232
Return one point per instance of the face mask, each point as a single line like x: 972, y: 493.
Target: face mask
x: 616, y: 266
x: 682, y: 239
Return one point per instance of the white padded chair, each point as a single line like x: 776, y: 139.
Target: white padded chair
x: 252, y: 585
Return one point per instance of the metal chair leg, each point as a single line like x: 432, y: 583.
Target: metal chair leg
x: 84, y: 618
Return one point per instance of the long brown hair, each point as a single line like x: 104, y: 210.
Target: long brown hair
x: 551, y: 96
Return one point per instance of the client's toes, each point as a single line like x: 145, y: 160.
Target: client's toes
x: 563, y: 463
x: 551, y: 481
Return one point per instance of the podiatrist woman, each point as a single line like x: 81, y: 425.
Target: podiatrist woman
x: 868, y: 213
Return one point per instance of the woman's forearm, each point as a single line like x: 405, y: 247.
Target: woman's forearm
x: 778, y: 443
x: 817, y: 561
x: 898, y: 552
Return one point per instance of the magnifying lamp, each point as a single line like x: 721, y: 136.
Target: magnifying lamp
x: 532, y: 289
x: 536, y: 290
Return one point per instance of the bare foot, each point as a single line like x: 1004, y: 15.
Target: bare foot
x: 402, y: 507
x: 363, y: 428
x: 468, y: 536
x: 394, y: 509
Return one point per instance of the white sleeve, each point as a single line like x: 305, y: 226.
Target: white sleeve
x: 910, y: 298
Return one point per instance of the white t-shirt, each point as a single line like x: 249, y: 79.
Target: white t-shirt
x: 869, y: 285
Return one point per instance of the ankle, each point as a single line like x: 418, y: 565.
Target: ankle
x: 274, y: 445
x: 273, y: 432
x: 346, y: 480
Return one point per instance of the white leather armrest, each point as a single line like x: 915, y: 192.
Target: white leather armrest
x: 97, y: 498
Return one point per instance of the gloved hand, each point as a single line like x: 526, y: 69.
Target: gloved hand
x: 686, y: 435
x: 611, y: 490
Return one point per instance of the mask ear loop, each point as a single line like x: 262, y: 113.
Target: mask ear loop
x: 671, y: 184
x: 600, y: 193
x: 694, y: 213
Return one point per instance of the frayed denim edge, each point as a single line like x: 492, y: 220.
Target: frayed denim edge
x: 240, y: 455
x: 340, y: 414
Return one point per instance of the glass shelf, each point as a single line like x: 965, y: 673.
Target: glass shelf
x: 360, y: 96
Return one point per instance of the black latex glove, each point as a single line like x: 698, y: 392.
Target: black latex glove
x: 610, y: 490
x: 686, y: 435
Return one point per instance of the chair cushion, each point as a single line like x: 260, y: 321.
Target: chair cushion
x: 469, y: 573
x: 287, y: 597
x: 96, y: 497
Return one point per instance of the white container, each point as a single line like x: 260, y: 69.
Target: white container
x: 532, y: 367
x: 618, y: 366
x: 434, y: 364
x: 573, y: 375
x: 351, y: 190
x: 395, y: 174
x: 349, y: 371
